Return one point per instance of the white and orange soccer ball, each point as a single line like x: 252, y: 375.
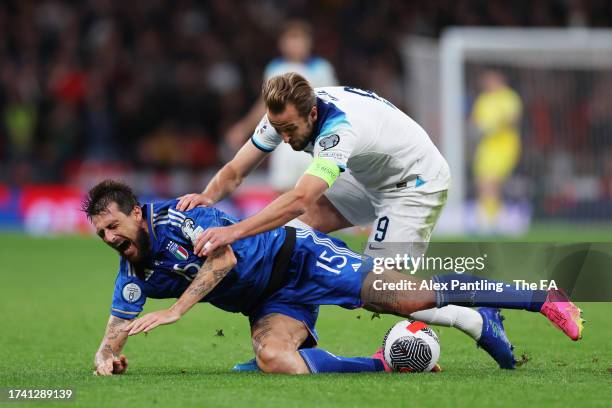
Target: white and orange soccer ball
x: 411, y: 346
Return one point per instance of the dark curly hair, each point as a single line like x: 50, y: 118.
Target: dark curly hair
x: 106, y: 192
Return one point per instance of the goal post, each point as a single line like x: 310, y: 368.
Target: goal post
x: 532, y: 52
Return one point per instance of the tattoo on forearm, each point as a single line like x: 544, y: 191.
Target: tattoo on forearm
x: 107, y: 349
x: 121, y: 343
x: 114, y: 339
x: 114, y: 328
x: 207, y: 278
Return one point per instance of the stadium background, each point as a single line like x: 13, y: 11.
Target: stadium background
x: 145, y: 90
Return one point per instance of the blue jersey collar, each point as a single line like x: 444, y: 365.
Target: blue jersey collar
x: 322, y: 114
x: 148, y: 212
x: 329, y: 117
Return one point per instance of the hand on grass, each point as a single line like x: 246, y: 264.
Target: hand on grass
x: 108, y: 365
x: 150, y: 321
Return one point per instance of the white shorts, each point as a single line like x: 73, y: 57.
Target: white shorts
x: 403, y: 219
x: 286, y: 167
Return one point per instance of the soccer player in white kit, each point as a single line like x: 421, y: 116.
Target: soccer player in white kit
x: 371, y: 163
x: 285, y: 167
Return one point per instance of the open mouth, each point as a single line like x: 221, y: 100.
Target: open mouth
x: 122, y: 247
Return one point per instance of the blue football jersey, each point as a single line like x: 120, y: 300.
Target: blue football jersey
x: 171, y: 265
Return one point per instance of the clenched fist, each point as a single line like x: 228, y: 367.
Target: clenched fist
x: 109, y: 365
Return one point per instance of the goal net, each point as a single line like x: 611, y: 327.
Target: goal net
x: 561, y: 132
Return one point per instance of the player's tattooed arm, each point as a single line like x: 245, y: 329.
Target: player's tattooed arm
x: 108, y: 360
x: 210, y: 274
x: 208, y: 277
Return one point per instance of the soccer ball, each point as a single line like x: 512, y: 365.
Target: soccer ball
x: 411, y: 346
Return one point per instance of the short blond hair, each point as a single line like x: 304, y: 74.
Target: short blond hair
x: 292, y: 88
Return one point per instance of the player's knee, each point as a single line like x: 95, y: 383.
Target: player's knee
x: 273, y: 358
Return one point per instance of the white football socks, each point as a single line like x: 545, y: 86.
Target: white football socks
x: 465, y: 319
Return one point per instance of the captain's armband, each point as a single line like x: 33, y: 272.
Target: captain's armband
x: 324, y: 169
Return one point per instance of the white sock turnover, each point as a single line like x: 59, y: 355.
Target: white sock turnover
x: 465, y: 319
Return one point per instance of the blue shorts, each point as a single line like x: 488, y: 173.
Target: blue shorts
x: 322, y: 271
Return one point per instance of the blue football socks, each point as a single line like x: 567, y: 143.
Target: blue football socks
x: 321, y: 361
x: 474, y: 291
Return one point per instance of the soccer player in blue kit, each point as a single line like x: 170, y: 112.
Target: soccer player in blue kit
x: 277, y: 278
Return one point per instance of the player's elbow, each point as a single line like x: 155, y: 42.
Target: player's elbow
x: 225, y: 258
x: 231, y: 260
x: 234, y: 175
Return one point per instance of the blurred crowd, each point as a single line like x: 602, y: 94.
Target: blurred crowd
x: 156, y: 84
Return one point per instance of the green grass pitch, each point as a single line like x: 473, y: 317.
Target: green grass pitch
x: 55, y: 300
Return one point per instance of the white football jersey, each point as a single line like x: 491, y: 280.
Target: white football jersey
x: 381, y: 146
